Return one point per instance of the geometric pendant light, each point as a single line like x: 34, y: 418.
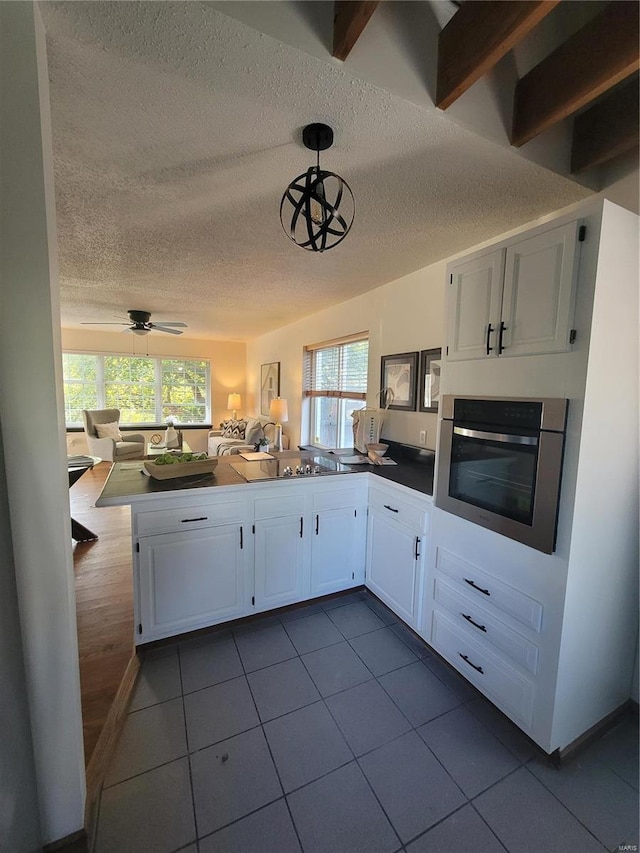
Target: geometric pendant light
x: 317, y: 208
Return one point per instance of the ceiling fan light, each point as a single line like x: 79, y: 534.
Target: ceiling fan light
x: 140, y: 331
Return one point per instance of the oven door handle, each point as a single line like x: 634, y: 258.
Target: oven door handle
x: 496, y: 436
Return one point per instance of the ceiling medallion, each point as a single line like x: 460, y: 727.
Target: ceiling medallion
x: 318, y: 207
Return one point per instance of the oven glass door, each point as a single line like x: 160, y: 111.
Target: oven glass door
x: 495, y: 471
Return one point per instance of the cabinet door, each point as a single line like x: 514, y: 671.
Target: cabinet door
x: 394, y: 562
x: 189, y: 580
x: 473, y: 306
x: 537, y: 305
x: 336, y: 552
x: 279, y: 561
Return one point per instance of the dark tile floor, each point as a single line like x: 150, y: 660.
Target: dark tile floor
x: 333, y: 729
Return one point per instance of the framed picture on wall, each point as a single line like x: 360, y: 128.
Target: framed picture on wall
x: 398, y: 376
x: 269, y: 385
x: 429, y: 385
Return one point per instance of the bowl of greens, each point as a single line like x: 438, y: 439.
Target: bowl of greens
x: 170, y: 466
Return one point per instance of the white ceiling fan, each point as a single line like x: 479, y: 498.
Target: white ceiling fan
x: 140, y: 324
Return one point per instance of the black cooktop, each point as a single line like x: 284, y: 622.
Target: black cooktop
x: 291, y: 467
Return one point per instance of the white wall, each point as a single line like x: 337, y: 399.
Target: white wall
x: 596, y: 669
x: 405, y: 315
x: 32, y: 424
x: 19, y: 818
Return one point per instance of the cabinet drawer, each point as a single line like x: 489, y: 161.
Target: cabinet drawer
x: 188, y: 517
x: 488, y: 590
x: 278, y: 506
x: 489, y: 673
x: 334, y: 498
x: 399, y: 509
x: 477, y: 619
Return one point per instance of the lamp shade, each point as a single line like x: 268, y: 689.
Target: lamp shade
x: 234, y: 401
x: 278, y: 410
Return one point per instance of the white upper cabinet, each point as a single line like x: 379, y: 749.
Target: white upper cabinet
x: 515, y: 300
x: 537, y: 302
x: 473, y: 312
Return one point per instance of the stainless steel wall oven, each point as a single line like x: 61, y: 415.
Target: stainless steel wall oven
x: 500, y: 464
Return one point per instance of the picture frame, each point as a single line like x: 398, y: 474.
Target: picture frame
x: 399, y: 372
x: 269, y: 385
x: 429, y: 384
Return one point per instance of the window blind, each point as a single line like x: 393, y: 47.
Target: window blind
x: 337, y: 368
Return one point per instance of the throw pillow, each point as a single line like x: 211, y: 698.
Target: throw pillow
x: 253, y: 431
x: 109, y: 431
x: 235, y: 429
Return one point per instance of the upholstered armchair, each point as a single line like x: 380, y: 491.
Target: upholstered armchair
x: 111, y: 446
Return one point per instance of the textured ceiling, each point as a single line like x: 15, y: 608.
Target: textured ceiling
x: 176, y: 129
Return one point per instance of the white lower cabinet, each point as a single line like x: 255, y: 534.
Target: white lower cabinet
x: 244, y: 552
x: 278, y: 561
x: 490, y: 672
x: 491, y: 631
x: 337, y: 549
x: 190, y: 579
x: 394, y: 565
x: 396, y: 543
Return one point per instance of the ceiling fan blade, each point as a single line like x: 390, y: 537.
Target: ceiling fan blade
x: 170, y: 323
x: 155, y: 328
x: 97, y: 323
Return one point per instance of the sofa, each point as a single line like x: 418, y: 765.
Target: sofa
x: 241, y: 436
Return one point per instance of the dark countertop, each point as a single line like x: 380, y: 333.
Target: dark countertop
x: 126, y: 480
x: 414, y: 467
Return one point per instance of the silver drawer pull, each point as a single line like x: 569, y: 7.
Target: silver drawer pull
x: 386, y: 506
x: 469, y: 619
x: 466, y: 660
x: 475, y: 586
x: 202, y: 518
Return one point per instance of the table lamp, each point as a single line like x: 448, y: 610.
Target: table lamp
x: 278, y: 412
x: 234, y: 402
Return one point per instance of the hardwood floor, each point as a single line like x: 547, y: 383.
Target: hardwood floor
x: 104, y: 601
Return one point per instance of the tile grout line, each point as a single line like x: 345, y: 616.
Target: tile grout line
x: 275, y: 766
x: 565, y: 806
x: 499, y: 840
x: 186, y: 737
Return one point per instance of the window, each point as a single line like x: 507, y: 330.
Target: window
x: 335, y: 381
x: 145, y: 389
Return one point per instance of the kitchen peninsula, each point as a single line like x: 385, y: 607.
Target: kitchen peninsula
x: 226, y: 545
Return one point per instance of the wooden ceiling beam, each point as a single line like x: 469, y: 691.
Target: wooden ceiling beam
x: 477, y: 37
x: 601, y: 54
x: 350, y: 17
x: 609, y: 128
